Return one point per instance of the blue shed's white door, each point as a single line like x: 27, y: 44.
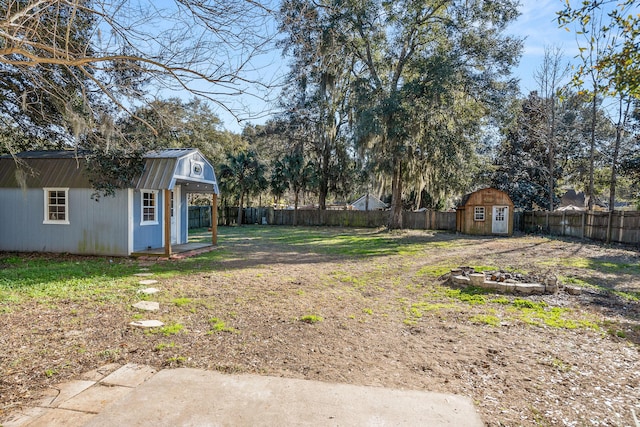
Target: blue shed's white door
x: 500, y: 224
x: 175, y: 215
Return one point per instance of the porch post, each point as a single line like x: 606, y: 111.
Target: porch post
x: 214, y: 219
x: 167, y: 223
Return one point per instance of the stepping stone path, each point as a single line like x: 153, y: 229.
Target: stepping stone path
x: 147, y: 323
x: 147, y: 305
x: 149, y: 291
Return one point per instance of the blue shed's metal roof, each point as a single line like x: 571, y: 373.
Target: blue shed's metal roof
x: 65, y: 168
x: 33, y: 169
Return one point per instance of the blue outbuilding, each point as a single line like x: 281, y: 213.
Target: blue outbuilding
x: 46, y: 204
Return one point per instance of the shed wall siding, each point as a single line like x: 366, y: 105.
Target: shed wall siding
x: 487, y: 198
x: 147, y: 236
x: 95, y: 228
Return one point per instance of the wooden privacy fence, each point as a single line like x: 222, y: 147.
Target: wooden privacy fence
x: 621, y: 226
x: 199, y: 216
x: 428, y: 220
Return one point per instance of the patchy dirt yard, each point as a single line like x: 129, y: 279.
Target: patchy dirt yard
x: 364, y: 307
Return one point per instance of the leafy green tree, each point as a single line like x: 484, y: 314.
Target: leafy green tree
x: 617, y: 21
x: 295, y: 173
x: 181, y: 124
x: 68, y: 63
x: 392, y: 43
x: 520, y: 166
x: 609, y: 53
x: 243, y: 174
x: 44, y: 104
x: 319, y: 86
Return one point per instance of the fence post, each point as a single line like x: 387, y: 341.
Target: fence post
x: 620, y: 233
x: 214, y: 219
x: 564, y: 216
x: 583, y: 224
x: 547, y: 228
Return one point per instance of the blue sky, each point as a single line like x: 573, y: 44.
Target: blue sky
x: 539, y: 28
x: 537, y: 25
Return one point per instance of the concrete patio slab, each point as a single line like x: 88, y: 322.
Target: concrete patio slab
x: 190, y: 397
x: 54, y: 396
x: 62, y: 418
x: 96, y: 398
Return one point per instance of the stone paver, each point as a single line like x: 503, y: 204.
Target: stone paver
x: 143, y: 274
x: 130, y: 375
x: 147, y: 323
x: 149, y: 291
x: 148, y: 282
x: 147, y: 305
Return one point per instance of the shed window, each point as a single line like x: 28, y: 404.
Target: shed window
x: 478, y: 214
x: 149, y: 207
x: 56, y: 206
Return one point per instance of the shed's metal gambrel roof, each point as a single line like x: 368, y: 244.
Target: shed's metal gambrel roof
x: 65, y: 168
x: 61, y: 168
x: 166, y: 168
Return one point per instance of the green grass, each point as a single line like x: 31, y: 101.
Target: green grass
x: 434, y: 270
x: 311, y: 318
x: 51, y: 279
x: 576, y: 281
x: 164, y: 346
x: 167, y: 330
x: 181, y: 302
x: 55, y: 277
x: 470, y: 295
x: 218, y: 325
x: 602, y: 266
x: 487, y: 319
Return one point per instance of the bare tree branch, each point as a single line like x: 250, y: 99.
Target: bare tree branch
x: 72, y: 52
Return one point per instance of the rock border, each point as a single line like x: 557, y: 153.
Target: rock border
x: 465, y: 276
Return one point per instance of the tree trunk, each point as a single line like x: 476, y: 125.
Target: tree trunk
x: 322, y: 194
x: 622, y: 118
x: 324, y: 178
x: 550, y: 178
x: 552, y: 152
x: 295, y: 209
x: 592, y: 157
x: 240, y: 209
x: 395, y: 221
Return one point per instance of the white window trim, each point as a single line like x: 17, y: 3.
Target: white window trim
x: 476, y: 211
x: 194, y: 167
x: 155, y: 210
x: 47, y: 220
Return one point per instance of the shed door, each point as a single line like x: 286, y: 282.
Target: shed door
x: 175, y: 215
x: 500, y: 224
